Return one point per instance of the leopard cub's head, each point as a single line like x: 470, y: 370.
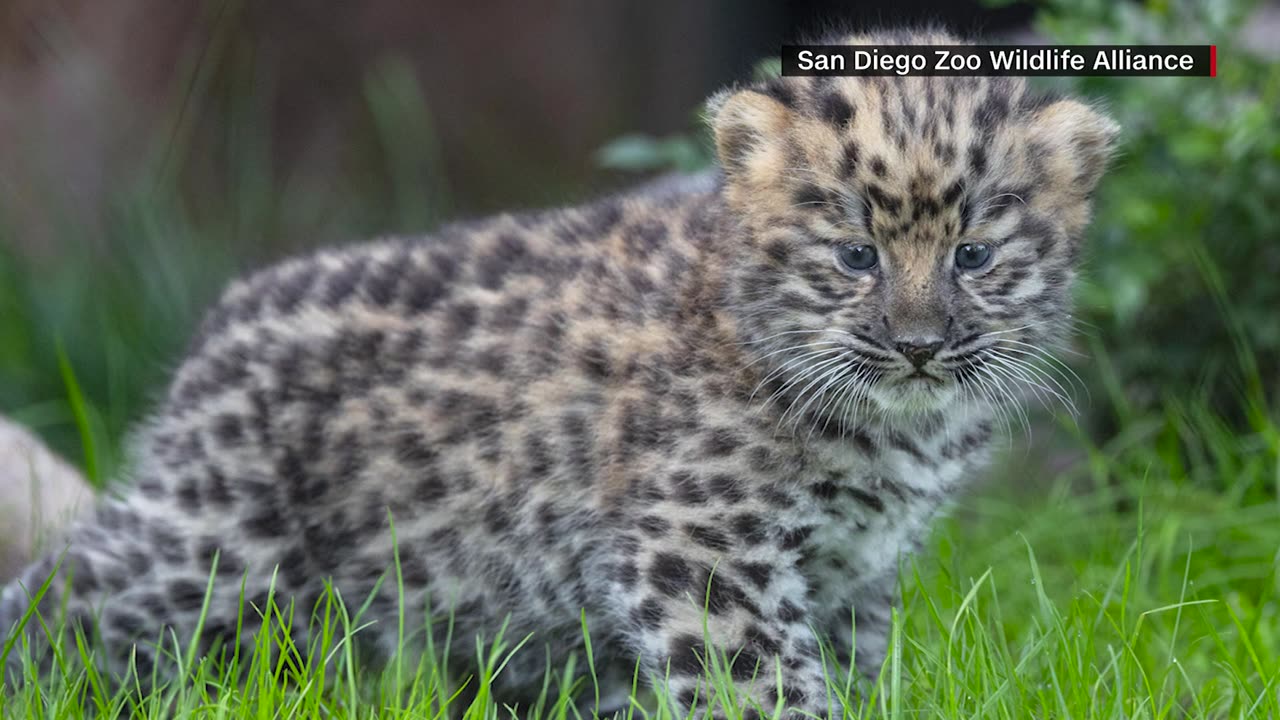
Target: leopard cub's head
x: 904, y: 243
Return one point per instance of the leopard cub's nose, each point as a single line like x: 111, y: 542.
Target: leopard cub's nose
x: 918, y: 350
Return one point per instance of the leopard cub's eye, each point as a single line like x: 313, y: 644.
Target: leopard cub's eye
x: 856, y: 258
x: 973, y: 256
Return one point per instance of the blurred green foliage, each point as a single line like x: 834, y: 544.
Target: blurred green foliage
x: 643, y: 153
x: 1181, y: 282
x: 85, y: 345
x: 91, y: 327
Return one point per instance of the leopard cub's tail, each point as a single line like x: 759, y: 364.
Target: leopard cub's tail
x: 86, y: 578
x: 25, y: 602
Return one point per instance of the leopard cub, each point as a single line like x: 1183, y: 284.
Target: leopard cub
x: 706, y: 412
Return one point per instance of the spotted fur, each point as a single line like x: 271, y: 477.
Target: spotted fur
x: 654, y: 408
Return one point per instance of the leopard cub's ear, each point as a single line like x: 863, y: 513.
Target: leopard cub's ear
x: 1076, y: 141
x: 749, y: 125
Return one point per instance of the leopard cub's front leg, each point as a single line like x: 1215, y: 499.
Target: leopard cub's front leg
x: 730, y: 577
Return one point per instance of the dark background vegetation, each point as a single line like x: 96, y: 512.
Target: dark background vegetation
x: 151, y: 149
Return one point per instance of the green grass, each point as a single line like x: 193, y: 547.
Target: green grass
x: 1121, y: 588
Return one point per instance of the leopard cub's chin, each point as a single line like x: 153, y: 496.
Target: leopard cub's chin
x: 912, y: 394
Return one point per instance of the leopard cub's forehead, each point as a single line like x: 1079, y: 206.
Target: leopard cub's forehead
x: 913, y: 151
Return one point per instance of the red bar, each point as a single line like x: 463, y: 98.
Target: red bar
x: 1213, y: 61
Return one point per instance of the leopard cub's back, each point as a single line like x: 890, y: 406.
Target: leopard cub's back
x: 452, y: 385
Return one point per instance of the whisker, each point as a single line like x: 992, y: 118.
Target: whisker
x: 830, y: 405
x: 981, y: 385
x: 1041, y: 391
x: 1021, y: 327
x: 821, y: 371
x: 782, y: 369
x: 1038, y: 349
x: 831, y: 379
x: 999, y: 377
x: 839, y: 372
x: 789, y: 348
x: 1058, y: 368
x: 1040, y: 375
x: 852, y: 386
x: 807, y: 373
